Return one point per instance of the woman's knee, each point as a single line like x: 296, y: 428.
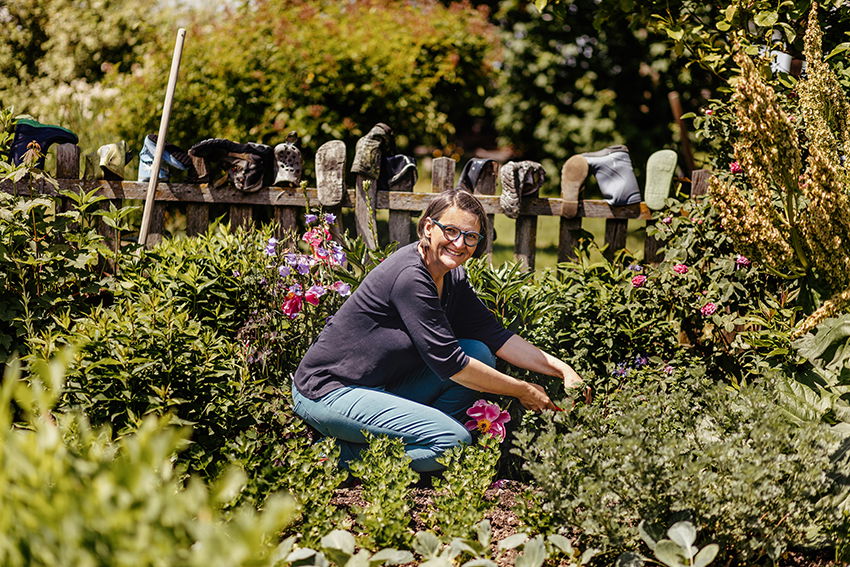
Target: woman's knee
x: 478, y: 350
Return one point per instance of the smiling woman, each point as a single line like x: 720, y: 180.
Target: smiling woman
x: 410, y: 351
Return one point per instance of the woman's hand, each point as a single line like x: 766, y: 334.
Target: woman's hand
x: 571, y: 378
x: 535, y: 398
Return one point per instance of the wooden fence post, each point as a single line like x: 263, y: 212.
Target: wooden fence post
x: 569, y: 222
x: 525, y: 240
x: 330, y: 180
x: 615, y: 236
x: 198, y: 214
x: 699, y: 182
x: 486, y: 185
x: 442, y: 174
x: 241, y: 216
x: 365, y: 209
x: 67, y: 167
x: 400, y: 221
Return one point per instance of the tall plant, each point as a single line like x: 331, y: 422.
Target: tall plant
x: 785, y: 198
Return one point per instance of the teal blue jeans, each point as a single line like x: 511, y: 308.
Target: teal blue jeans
x: 424, y: 411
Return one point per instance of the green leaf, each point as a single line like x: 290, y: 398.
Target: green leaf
x: 670, y: 553
x: 684, y: 534
x: 561, y: 543
x: 390, y: 556
x: 339, y: 539
x: 541, y: 4
x: 426, y: 544
x: 645, y: 535
x: 629, y: 559
x: 513, y: 541
x: 766, y: 19
x: 723, y: 25
x: 480, y: 563
x: 533, y: 554
x: 706, y: 555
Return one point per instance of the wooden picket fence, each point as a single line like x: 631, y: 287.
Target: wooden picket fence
x: 285, y: 205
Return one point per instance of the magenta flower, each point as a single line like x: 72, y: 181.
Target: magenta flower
x: 743, y: 261
x: 680, y: 268
x: 638, y: 281
x: 735, y: 167
x: 708, y: 112
x: 488, y: 417
x: 292, y: 306
x: 667, y: 220
x: 314, y: 293
x: 708, y: 309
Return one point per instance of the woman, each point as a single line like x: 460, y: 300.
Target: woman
x: 408, y: 353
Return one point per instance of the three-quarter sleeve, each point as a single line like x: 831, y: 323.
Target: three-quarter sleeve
x: 414, y: 295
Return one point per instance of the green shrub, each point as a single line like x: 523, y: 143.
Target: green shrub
x: 754, y: 482
x: 69, y: 495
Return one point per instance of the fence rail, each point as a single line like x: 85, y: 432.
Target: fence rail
x: 286, y: 204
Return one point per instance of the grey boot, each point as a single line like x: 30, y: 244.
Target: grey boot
x: 369, y: 150
x: 615, y: 175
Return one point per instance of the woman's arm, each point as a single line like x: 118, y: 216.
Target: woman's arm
x: 521, y: 353
x: 478, y: 376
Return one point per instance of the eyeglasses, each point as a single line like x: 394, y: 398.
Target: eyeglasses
x: 452, y: 233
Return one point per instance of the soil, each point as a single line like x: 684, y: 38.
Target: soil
x: 504, y: 522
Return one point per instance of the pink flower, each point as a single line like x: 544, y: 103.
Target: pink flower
x: 668, y: 369
x: 488, y: 417
x: 680, y: 269
x: 638, y: 281
x: 314, y: 293
x: 735, y: 167
x: 667, y: 220
x: 292, y: 306
x: 708, y: 309
x: 708, y: 112
x: 743, y: 261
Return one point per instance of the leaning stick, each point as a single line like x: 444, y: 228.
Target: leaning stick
x: 160, y: 140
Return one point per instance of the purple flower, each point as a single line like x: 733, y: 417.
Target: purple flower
x: 236, y: 273
x: 310, y: 218
x: 742, y: 261
x: 641, y: 361
x: 668, y: 369
x: 708, y: 309
x: 314, y: 293
x: 500, y: 484
x: 330, y: 218
x: 635, y: 267
x: 271, y: 246
x: 284, y: 270
x: 341, y: 288
x: 638, y: 281
x: 296, y: 289
x: 621, y: 370
x: 680, y: 268
x: 338, y: 255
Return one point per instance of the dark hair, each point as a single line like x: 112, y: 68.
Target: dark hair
x: 463, y: 200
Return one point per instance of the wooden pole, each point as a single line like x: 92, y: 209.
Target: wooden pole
x: 163, y: 130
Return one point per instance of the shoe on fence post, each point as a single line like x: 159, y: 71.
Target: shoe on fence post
x: 397, y: 170
x: 171, y: 156
x: 369, y: 150
x: 660, y: 168
x: 573, y: 177
x: 249, y: 166
x: 615, y: 175
x: 472, y: 172
x: 288, y: 162
x: 112, y: 158
x: 519, y: 180
x: 28, y: 130
x: 330, y: 172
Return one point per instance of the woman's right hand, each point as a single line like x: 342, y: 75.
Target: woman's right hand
x: 535, y: 398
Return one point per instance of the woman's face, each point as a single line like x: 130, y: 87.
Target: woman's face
x: 445, y: 255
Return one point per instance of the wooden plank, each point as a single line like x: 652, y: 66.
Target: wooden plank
x: 699, y: 182
x: 525, y: 240
x: 415, y: 202
x: 442, y: 174
x: 197, y: 218
x: 241, y: 216
x: 365, y: 210
x: 486, y: 185
x: 615, y: 236
x: 400, y: 221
